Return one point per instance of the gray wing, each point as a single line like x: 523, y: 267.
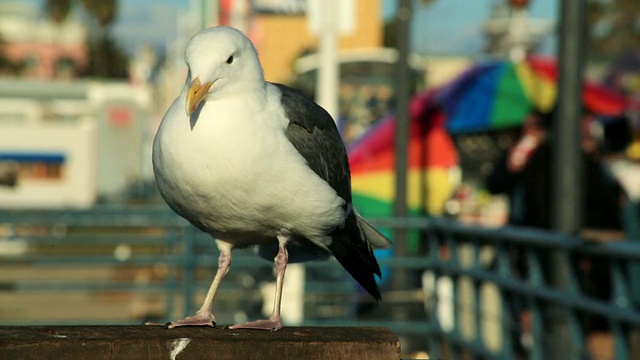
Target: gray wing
x: 314, y: 134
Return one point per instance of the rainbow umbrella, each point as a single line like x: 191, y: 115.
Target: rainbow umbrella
x: 431, y: 158
x: 500, y: 94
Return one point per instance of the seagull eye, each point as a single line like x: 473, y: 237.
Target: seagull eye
x: 230, y: 59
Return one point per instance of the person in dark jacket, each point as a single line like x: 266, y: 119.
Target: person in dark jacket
x: 525, y: 174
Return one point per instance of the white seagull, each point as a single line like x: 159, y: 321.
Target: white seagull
x: 256, y: 163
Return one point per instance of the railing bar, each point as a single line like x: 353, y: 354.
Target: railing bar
x: 547, y: 294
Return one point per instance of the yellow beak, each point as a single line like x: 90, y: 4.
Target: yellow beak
x: 197, y: 91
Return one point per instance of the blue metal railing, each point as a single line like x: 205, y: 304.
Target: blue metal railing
x: 618, y: 311
x: 81, y: 239
x: 467, y: 297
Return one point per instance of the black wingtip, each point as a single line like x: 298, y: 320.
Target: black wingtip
x: 360, y: 263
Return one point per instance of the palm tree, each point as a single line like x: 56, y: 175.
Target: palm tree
x: 106, y: 58
x: 103, y: 11
x: 8, y: 66
x: 58, y: 10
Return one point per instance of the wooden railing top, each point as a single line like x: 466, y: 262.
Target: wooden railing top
x: 155, y: 342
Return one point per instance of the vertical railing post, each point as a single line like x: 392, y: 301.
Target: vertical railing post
x: 537, y: 331
x: 510, y: 318
x: 536, y: 279
x: 433, y: 257
x: 188, y: 269
x: 622, y: 298
x: 170, y: 283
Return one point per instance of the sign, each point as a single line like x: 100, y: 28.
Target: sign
x: 342, y: 14
x: 119, y: 115
x: 280, y: 7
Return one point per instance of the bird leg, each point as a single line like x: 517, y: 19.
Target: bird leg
x: 204, y: 316
x: 273, y: 323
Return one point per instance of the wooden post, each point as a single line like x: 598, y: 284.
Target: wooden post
x: 155, y: 342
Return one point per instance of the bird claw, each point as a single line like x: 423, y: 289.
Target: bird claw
x: 269, y: 325
x: 195, y: 320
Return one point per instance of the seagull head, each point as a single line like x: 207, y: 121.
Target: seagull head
x: 222, y: 61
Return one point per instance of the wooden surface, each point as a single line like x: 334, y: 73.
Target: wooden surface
x: 155, y: 342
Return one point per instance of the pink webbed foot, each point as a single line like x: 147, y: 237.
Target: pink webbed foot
x: 268, y: 324
x: 199, y: 319
x: 273, y: 323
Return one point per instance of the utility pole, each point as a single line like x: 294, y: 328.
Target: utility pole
x: 567, y: 164
x: 328, y: 19
x: 403, y: 22
x: 328, y: 70
x: 208, y: 13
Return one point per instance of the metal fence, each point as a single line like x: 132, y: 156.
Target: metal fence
x: 148, y: 260
x: 472, y: 291
x: 501, y: 303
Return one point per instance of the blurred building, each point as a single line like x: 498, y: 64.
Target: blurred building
x: 280, y: 30
x: 40, y: 47
x: 511, y: 33
x: 66, y: 144
x: 367, y: 84
x: 70, y: 144
x: 286, y: 45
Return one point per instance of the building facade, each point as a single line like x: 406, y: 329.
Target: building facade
x: 281, y: 33
x: 39, y: 47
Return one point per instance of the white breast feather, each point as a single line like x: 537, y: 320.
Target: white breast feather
x: 239, y: 174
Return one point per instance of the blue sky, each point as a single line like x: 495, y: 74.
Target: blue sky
x: 443, y: 27
x: 454, y: 26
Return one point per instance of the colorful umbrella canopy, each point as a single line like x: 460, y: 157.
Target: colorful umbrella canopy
x: 431, y: 157
x: 500, y: 94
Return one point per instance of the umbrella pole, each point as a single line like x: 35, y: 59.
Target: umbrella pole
x: 403, y: 20
x: 567, y: 167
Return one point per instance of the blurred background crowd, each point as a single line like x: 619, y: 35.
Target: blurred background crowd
x: 102, y: 73
x: 84, y: 84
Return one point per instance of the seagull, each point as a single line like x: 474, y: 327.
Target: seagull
x: 254, y: 163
